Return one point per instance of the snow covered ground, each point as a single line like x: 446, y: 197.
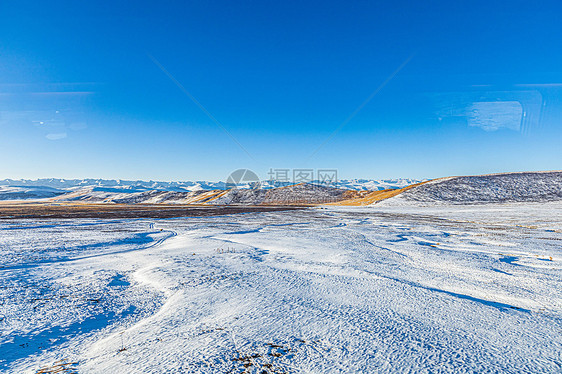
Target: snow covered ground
x: 374, y: 289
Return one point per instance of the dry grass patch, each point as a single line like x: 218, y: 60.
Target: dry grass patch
x: 376, y: 196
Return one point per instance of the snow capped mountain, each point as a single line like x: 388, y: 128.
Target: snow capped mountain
x: 111, y: 188
x: 375, y: 185
x: 79, y: 183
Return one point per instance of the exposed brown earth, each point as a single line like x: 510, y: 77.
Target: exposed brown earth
x: 62, y: 211
x: 375, y: 196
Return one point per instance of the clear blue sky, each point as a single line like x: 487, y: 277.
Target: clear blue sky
x: 80, y: 96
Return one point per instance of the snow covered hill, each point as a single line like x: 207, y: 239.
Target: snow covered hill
x: 492, y: 188
x: 482, y: 189
x: 30, y: 192
x: 304, y: 193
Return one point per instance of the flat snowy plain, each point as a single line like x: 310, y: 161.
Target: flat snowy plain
x: 375, y: 289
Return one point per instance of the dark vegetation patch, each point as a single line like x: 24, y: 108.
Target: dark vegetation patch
x: 64, y: 211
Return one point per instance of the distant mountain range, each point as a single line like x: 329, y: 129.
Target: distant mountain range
x: 296, y: 194
x: 480, y: 189
x: 17, y: 189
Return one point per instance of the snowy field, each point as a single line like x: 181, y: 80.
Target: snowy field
x: 377, y: 289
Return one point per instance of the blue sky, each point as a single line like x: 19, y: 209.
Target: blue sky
x: 80, y: 96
